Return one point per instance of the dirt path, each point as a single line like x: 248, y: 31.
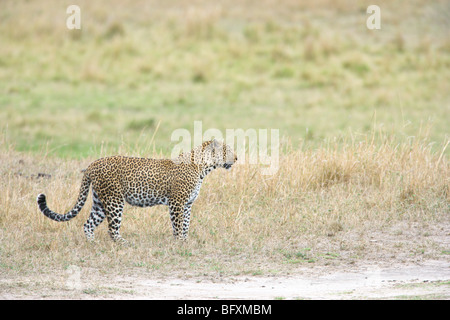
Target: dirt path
x: 428, y: 280
x: 421, y: 281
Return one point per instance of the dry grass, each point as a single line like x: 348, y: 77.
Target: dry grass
x: 334, y: 204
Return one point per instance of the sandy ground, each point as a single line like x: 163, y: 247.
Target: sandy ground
x: 427, y: 280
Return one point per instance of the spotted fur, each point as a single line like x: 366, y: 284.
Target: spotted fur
x: 145, y: 182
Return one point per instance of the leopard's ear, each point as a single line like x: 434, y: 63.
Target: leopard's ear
x: 212, y: 144
x: 215, y: 143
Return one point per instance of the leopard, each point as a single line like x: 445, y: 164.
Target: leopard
x: 144, y: 182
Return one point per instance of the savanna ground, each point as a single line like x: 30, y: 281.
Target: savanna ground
x: 363, y: 181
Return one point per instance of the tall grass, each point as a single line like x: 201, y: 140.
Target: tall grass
x: 323, y: 205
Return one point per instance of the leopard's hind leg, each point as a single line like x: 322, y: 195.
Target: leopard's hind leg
x: 96, y: 217
x: 113, y: 212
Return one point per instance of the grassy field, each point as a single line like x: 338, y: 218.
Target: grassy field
x: 313, y: 71
x: 363, y: 119
x: 365, y: 202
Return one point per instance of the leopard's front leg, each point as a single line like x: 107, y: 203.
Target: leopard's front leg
x: 176, y: 217
x: 186, y: 220
x: 180, y: 216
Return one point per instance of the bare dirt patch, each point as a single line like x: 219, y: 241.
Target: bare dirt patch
x: 427, y: 280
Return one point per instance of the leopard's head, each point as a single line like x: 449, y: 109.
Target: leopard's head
x: 216, y: 154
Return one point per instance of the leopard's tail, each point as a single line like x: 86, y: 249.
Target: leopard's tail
x: 84, y: 190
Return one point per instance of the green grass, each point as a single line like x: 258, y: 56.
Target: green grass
x: 290, y: 68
